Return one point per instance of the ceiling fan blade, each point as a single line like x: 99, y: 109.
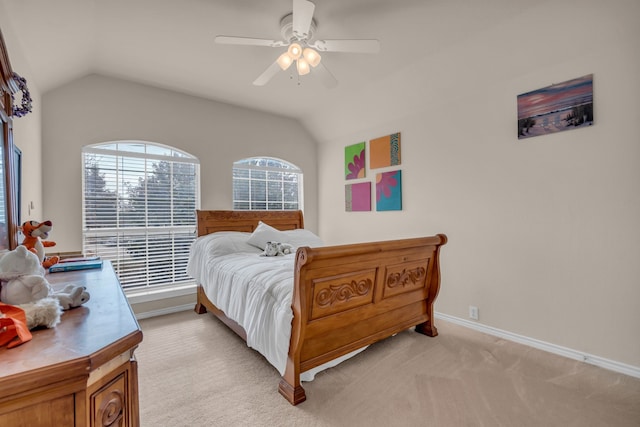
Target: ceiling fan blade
x: 357, y: 46
x: 248, y: 41
x: 268, y: 74
x: 328, y: 80
x: 302, y: 17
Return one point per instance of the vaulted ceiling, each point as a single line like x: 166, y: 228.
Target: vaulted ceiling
x: 170, y: 44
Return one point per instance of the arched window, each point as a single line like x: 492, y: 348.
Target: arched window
x: 139, y: 202
x: 265, y: 183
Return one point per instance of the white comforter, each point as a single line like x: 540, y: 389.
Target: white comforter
x: 253, y: 290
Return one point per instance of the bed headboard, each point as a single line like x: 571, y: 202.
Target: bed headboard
x: 247, y: 221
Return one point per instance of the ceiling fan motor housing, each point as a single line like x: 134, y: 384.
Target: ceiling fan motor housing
x: 286, y: 29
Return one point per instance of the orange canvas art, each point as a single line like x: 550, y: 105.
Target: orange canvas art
x: 384, y: 151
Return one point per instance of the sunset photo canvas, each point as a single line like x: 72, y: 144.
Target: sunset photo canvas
x: 555, y: 108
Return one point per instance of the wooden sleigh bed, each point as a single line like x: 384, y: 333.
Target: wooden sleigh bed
x: 345, y: 297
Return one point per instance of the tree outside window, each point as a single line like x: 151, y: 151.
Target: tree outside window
x: 139, y: 202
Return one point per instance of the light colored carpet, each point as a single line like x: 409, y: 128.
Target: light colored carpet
x: 194, y: 371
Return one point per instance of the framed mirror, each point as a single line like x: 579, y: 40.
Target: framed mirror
x: 4, y: 234
x: 8, y: 184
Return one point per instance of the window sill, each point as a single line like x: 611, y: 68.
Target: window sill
x: 140, y: 296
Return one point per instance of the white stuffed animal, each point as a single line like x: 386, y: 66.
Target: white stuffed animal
x: 45, y: 312
x: 22, y: 280
x: 276, y: 248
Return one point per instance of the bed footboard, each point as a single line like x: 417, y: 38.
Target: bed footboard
x: 346, y: 297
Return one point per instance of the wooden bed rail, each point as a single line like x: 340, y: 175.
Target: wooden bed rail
x: 349, y: 296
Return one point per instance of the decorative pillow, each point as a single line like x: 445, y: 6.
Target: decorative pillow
x: 265, y: 233
x: 302, y: 237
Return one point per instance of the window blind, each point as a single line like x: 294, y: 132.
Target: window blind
x: 262, y: 183
x: 139, y: 202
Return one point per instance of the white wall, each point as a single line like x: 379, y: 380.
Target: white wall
x: 26, y: 129
x: 544, y: 233
x: 97, y: 109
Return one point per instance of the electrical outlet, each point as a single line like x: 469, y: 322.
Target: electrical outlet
x: 473, y: 312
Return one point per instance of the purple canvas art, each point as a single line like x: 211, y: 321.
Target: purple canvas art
x: 357, y: 197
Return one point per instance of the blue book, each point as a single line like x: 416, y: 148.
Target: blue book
x: 75, y: 265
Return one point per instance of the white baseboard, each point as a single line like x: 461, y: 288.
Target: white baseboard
x: 162, y: 311
x: 601, y: 362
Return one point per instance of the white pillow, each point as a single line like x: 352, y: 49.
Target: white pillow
x: 265, y: 233
x: 224, y: 243
x: 302, y: 237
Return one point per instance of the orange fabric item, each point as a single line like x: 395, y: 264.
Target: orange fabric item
x: 13, y: 327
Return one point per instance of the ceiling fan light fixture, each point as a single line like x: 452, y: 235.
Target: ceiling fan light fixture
x: 295, y: 50
x: 312, y: 57
x: 298, y: 28
x: 303, y: 66
x: 285, y: 60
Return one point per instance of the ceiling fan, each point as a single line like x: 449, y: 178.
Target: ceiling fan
x: 297, y: 29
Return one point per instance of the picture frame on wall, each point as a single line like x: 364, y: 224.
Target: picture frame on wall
x: 556, y: 108
x: 357, y: 197
x: 389, y: 191
x: 385, y: 151
x: 354, y: 161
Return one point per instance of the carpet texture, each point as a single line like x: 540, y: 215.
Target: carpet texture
x: 194, y: 371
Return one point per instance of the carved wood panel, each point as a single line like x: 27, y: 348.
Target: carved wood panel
x: 342, y: 292
x: 109, y: 403
x: 406, y: 277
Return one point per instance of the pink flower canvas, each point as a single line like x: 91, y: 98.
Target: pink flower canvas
x: 389, y: 191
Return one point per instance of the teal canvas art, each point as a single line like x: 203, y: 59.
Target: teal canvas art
x: 389, y: 191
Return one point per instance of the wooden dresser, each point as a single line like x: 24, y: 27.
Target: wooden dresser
x: 82, y: 372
